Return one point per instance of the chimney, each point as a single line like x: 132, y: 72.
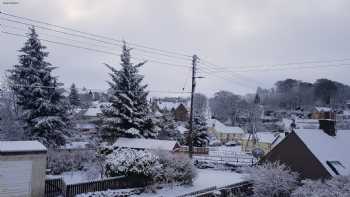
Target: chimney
x: 328, y: 126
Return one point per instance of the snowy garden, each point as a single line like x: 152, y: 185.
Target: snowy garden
x: 92, y: 152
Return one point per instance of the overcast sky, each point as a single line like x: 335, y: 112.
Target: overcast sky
x: 228, y: 33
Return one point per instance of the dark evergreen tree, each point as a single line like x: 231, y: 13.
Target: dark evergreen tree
x: 74, y: 98
x: 37, y: 93
x: 200, y: 131
x: 127, y: 116
x: 167, y: 127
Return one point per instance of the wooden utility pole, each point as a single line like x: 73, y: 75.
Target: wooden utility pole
x: 190, y: 133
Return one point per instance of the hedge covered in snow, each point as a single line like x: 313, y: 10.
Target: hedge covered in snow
x: 271, y: 179
x: 337, y: 187
x: 153, y: 167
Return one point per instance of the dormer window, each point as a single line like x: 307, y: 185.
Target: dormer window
x: 336, y: 166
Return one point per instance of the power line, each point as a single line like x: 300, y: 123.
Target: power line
x: 96, y: 90
x: 78, y: 41
x: 88, y: 38
x: 99, y: 36
x: 219, y: 68
x: 98, y: 50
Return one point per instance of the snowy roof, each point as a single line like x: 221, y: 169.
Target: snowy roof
x: 21, y: 146
x: 85, y: 126
x: 323, y: 109
x: 181, y: 129
x: 96, y: 108
x: 166, y: 105
x: 76, y: 145
x: 264, y: 137
x: 141, y: 143
x: 221, y: 128
x: 93, y: 111
x: 328, y: 149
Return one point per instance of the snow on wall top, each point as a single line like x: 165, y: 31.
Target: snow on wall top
x: 328, y: 148
x: 323, y: 109
x: 221, y: 128
x: 21, y: 146
x: 141, y: 143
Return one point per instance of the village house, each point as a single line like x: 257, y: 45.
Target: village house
x: 314, y: 153
x: 180, y: 110
x: 264, y: 141
x: 181, y: 113
x: 323, y: 113
x: 224, y: 133
x: 147, y: 144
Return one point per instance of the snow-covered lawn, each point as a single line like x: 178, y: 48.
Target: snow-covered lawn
x: 206, y: 178
x: 76, y: 176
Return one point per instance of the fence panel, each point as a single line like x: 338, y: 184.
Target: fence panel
x: 102, y: 185
x: 54, y: 187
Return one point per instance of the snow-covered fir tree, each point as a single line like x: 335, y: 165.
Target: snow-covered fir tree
x: 127, y: 116
x: 200, y: 136
x: 167, y: 126
x: 74, y: 98
x: 37, y: 93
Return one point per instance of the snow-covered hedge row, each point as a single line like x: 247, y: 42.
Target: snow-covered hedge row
x: 337, y: 187
x: 275, y: 180
x: 154, y: 167
x: 271, y: 179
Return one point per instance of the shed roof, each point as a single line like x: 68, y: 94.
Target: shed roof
x: 21, y: 147
x: 141, y: 143
x: 328, y: 149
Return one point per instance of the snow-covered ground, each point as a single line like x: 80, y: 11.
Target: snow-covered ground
x: 206, y: 178
x: 77, y: 176
x: 226, y: 155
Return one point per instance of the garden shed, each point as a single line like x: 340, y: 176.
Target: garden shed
x: 22, y: 168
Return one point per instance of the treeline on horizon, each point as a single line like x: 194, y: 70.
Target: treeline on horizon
x: 293, y: 94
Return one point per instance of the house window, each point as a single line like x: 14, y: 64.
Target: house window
x: 336, y: 166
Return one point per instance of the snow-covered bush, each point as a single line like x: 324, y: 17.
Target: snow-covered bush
x: 153, y: 167
x: 336, y: 187
x: 175, y: 168
x: 271, y: 179
x: 63, y: 161
x: 133, y: 163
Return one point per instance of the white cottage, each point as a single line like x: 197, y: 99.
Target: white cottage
x: 22, y: 168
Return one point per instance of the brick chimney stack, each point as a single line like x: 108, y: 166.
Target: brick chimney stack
x: 328, y: 126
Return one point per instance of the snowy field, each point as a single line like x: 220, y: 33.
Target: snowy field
x: 206, y: 178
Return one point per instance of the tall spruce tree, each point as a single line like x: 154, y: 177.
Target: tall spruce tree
x: 37, y: 93
x: 74, y: 98
x: 200, y: 136
x: 127, y: 116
